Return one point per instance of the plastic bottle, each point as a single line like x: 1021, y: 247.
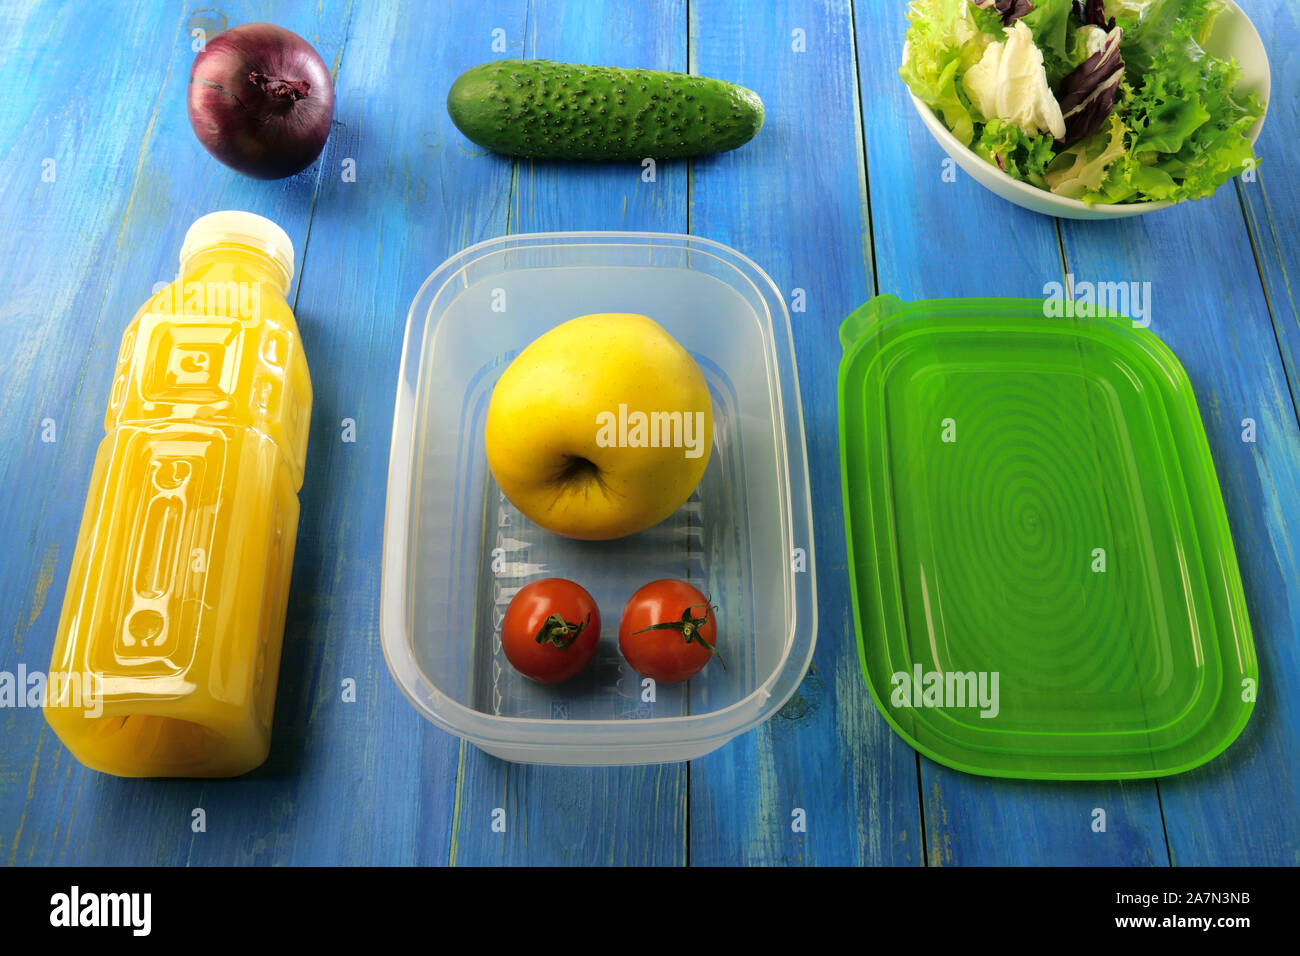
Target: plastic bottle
x: 168, y: 647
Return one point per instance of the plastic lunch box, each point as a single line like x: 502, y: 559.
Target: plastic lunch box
x: 455, y: 550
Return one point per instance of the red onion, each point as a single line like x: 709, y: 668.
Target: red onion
x: 261, y: 100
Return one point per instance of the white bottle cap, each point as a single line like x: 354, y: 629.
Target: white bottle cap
x: 245, y: 229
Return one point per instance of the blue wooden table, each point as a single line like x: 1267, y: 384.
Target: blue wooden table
x: 843, y: 194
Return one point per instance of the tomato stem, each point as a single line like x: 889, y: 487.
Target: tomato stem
x: 689, y: 627
x: 556, y: 630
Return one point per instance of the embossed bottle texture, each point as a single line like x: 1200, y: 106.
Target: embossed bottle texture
x: 179, y: 586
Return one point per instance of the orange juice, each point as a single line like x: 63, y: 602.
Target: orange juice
x: 168, y: 647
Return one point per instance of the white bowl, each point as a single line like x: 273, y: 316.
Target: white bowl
x: 1234, y: 37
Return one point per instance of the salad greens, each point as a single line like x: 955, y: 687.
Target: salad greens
x: 1015, y: 152
x: 1010, y: 83
x: 1052, y: 23
x: 1088, y: 92
x: 1009, y: 10
x: 1149, y: 114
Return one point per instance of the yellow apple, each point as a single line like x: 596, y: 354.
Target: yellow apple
x: 601, y: 427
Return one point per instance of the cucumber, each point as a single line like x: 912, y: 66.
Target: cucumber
x: 544, y: 110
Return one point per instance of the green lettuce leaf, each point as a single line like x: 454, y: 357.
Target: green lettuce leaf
x: 1190, y: 128
x: 944, y: 39
x: 1054, y: 25
x: 1080, y: 171
x: 1014, y: 151
x: 1162, y: 27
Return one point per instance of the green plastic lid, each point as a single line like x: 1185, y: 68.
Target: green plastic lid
x: 1044, y: 583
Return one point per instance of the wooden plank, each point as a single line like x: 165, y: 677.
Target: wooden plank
x: 938, y: 234
x: 66, y: 182
x: 575, y: 815
x: 74, y: 109
x: 794, y: 201
x: 1208, y: 306
x: 374, y: 775
x: 1270, y: 201
x: 1244, y: 807
x: 132, y: 178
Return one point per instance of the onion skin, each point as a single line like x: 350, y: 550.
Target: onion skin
x: 261, y: 100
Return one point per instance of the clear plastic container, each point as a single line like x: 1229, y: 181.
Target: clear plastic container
x: 456, y: 551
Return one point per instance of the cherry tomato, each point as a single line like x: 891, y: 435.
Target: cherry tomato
x: 668, y: 631
x: 550, y: 630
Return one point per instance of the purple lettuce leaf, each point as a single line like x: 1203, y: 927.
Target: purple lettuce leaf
x: 1009, y: 10
x: 1092, y: 13
x: 1087, y: 94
